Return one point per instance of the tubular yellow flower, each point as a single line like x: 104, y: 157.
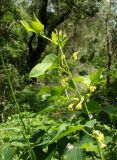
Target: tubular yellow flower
x: 70, y: 107
x: 74, y: 99
x: 78, y: 106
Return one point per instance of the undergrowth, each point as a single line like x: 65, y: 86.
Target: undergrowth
x: 68, y: 124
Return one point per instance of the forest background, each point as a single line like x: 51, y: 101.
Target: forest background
x: 67, y: 110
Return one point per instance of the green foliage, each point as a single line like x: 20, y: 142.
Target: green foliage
x: 75, y: 153
x: 64, y: 130
x: 90, y: 123
x: 75, y: 131
x: 7, y: 152
x: 93, y: 106
x: 34, y: 26
x: 47, y: 64
x: 58, y: 115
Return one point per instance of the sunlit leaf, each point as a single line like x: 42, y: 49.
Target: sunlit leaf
x: 27, y: 26
x: 82, y: 79
x: 54, y: 37
x: 64, y: 130
x: 95, y: 77
x: 42, y: 67
x: 33, y: 26
x: 89, y: 146
x: 38, y: 27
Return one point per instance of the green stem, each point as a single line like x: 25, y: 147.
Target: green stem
x: 67, y: 95
x: 87, y: 111
x: 18, y: 110
x: 12, y: 91
x: 88, y: 133
x: 50, y: 40
x: 99, y: 150
x: 93, y: 136
x: 69, y: 72
x: 58, y: 44
x: 63, y: 69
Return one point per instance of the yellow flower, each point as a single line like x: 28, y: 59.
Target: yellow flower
x: 70, y: 107
x: 100, y: 137
x: 64, y: 81
x: 86, y: 83
x: 74, y: 99
x: 78, y: 106
x: 92, y: 88
x: 103, y: 145
x: 75, y: 57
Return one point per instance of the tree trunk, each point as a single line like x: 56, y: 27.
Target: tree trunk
x: 109, y: 46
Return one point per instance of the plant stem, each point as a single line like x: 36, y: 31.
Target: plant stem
x: 71, y: 76
x: 18, y: 110
x: 88, y: 133
x: 99, y: 150
x: 50, y: 40
x: 69, y: 72
x: 87, y: 111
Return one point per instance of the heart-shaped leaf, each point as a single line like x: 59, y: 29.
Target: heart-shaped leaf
x: 42, y: 67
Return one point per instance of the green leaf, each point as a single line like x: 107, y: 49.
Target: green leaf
x: 112, y: 111
x: 89, y: 146
x: 42, y: 67
x: 43, y: 90
x: 64, y: 130
x: 107, y: 139
x: 38, y: 27
x: 93, y: 106
x: 27, y: 27
x: 33, y: 26
x: 55, y: 64
x: 87, y: 143
x: 71, y: 84
x: 54, y: 37
x: 75, y: 154
x: 18, y: 144
x: 91, y: 123
x: 7, y: 152
x: 95, y: 77
x: 57, y: 90
x: 82, y: 79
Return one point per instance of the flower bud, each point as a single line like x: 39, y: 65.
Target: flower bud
x: 75, y: 57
